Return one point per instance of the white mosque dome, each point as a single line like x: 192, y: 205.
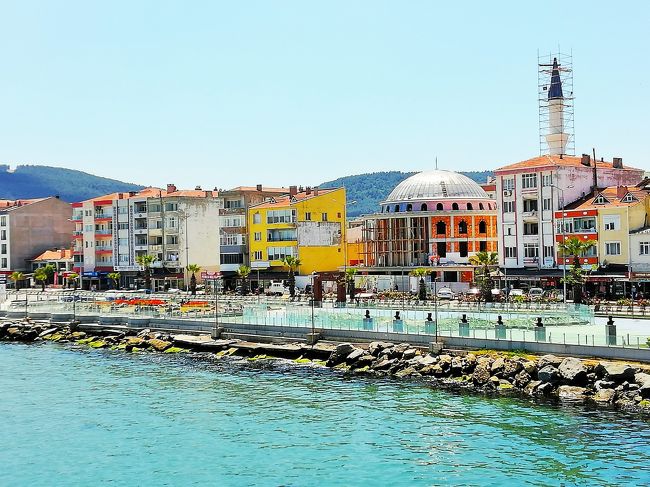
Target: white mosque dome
x: 438, y: 184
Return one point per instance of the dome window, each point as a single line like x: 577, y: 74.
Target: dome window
x: 423, y: 207
x: 482, y: 227
x: 439, y: 207
x: 462, y: 227
x: 469, y: 206
x: 454, y: 206
x: 441, y: 228
x: 396, y: 208
x: 409, y: 207
x: 480, y: 206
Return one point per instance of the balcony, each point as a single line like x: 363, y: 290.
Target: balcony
x: 103, y: 233
x: 103, y: 250
x: 530, y: 216
x: 103, y: 216
x: 231, y: 211
x: 155, y: 248
x: 77, y: 218
x: 531, y: 261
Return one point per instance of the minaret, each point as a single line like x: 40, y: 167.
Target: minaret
x: 556, y: 138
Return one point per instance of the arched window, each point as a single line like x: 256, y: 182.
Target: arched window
x: 480, y: 206
x: 482, y: 227
x: 469, y: 206
x: 441, y: 228
x: 439, y: 207
x: 454, y: 206
x: 423, y: 207
x: 409, y: 207
x: 396, y: 208
x: 462, y: 227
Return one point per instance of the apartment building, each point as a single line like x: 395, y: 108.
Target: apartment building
x: 30, y: 227
x: 308, y: 225
x: 177, y: 227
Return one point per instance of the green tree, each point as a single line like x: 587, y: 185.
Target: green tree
x: 292, y: 263
x: 40, y: 276
x: 243, y: 272
x: 146, y: 260
x: 73, y: 278
x: 483, y: 261
x: 17, y: 277
x: 49, y: 270
x: 576, y: 248
x: 421, y: 272
x: 193, y: 268
x: 115, y: 279
x: 350, y: 272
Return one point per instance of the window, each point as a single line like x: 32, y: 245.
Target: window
x: 546, y: 204
x: 511, y: 252
x: 600, y: 200
x: 172, y: 239
x: 530, y: 205
x: 441, y: 228
x: 396, y: 209
x: 280, y: 216
x: 531, y: 229
x: 4, y: 249
x: 454, y: 206
x: 612, y: 222
x: 323, y: 217
x: 531, y: 251
x: 3, y: 222
x: 233, y: 258
x: 277, y: 235
x: 308, y: 216
x: 423, y: 207
x: 4, y: 262
x: 482, y: 227
x: 480, y: 206
x: 233, y: 221
x: 3, y: 235
x: 462, y: 249
x: 234, y: 204
x: 123, y: 259
x: 508, y: 184
x: 462, y: 227
x: 122, y: 241
x: 122, y: 226
x: 644, y: 248
x: 613, y: 248
x: 508, y: 206
x: 439, y: 207
x: 629, y: 198
x: 257, y: 218
x: 171, y: 206
x: 279, y: 253
x: 528, y: 181
x: 547, y: 179
x: 509, y: 230
x: 257, y: 255
x: 548, y: 251
x: 469, y: 206
x: 258, y: 236
x: 409, y: 207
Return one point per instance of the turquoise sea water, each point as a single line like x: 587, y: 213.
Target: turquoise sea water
x: 91, y: 417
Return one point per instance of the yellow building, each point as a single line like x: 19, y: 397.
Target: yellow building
x: 308, y: 225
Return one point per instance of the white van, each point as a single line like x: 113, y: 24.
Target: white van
x: 276, y: 289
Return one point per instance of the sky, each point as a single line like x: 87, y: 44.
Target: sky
x: 221, y: 94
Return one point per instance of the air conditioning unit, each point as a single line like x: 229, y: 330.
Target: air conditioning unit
x: 507, y: 192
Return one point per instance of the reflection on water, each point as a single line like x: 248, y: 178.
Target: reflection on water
x: 81, y: 417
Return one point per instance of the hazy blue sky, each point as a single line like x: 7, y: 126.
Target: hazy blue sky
x: 229, y: 93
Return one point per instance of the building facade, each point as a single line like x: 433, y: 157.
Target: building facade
x: 29, y: 228
x: 433, y: 218
x: 177, y: 227
x: 308, y: 225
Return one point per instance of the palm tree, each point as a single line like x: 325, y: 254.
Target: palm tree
x: 421, y: 272
x: 74, y: 278
x: 193, y: 268
x: 292, y: 263
x: 17, y: 277
x: 483, y: 261
x: 40, y: 276
x: 574, y: 247
x: 243, y: 272
x: 145, y: 260
x: 349, y: 281
x: 115, y: 278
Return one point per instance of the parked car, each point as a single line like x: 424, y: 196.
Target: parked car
x: 535, y: 293
x: 276, y: 289
x: 445, y: 293
x: 516, y: 292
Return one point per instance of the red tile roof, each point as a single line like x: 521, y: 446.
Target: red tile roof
x: 285, y: 200
x: 555, y: 161
x: 61, y: 254
x: 614, y: 195
x: 16, y: 203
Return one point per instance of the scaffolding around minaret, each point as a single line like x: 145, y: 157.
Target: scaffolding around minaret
x: 555, y: 97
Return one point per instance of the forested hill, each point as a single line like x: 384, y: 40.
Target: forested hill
x: 365, y: 191
x: 70, y: 185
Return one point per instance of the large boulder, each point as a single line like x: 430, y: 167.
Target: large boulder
x: 615, y: 371
x: 409, y: 353
x: 522, y: 379
x: 643, y: 380
x: 355, y: 355
x: 531, y: 368
x: 339, y: 354
x: 159, y: 345
x: 548, y: 360
x: 384, y: 364
x: 571, y: 393
x: 363, y: 361
x: 497, y: 365
x: 548, y: 374
x: 376, y: 347
x: 481, y: 374
x: 605, y: 396
x: 427, y: 360
x: 511, y: 368
x: 573, y: 371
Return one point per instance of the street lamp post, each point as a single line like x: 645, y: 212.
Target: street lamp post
x: 563, y: 243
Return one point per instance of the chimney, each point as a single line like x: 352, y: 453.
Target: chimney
x: 208, y: 194
x: 586, y: 160
x: 293, y: 190
x: 132, y: 193
x: 197, y: 188
x: 618, y: 163
x: 259, y: 187
x: 621, y: 191
x: 171, y: 188
x: 315, y: 190
x: 308, y: 190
